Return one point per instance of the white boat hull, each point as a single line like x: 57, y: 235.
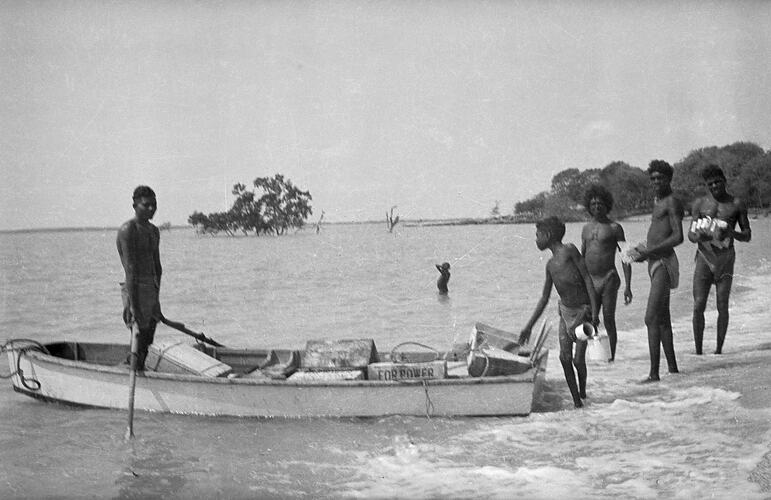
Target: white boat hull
x: 78, y: 383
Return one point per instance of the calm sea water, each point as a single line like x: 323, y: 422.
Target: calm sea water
x: 683, y: 438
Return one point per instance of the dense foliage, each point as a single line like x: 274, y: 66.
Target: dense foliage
x: 746, y: 165
x: 272, y: 206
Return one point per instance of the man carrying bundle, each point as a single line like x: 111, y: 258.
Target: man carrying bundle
x: 714, y: 219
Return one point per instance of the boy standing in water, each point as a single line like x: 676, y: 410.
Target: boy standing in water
x: 664, y: 234
x: 715, y: 253
x: 599, y: 243
x: 577, y: 302
x: 444, y: 277
x: 138, y: 246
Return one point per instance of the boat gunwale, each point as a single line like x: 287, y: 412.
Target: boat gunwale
x: 526, y: 377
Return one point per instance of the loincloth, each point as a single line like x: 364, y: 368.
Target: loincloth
x: 609, y: 280
x: 720, y: 264
x: 672, y: 266
x: 149, y: 304
x: 571, y: 317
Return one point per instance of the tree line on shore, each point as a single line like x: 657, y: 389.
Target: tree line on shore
x: 274, y: 205
x: 746, y: 165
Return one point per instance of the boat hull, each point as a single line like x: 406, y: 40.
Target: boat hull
x: 52, y: 378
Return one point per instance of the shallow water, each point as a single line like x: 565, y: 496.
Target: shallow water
x: 687, y: 437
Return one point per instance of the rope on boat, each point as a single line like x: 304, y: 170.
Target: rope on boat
x: 429, y: 404
x: 394, y: 354
x: 30, y: 345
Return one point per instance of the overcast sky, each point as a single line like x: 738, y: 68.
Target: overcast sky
x: 439, y: 107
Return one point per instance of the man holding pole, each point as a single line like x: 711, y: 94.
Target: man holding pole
x: 138, y: 242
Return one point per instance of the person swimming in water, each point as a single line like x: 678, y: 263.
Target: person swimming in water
x: 444, y: 277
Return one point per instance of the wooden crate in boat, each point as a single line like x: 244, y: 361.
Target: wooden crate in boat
x: 331, y: 355
x: 180, y: 357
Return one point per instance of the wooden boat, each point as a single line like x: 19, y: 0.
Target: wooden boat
x: 256, y: 383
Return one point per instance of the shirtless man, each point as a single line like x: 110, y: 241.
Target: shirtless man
x: 664, y: 234
x: 577, y: 301
x: 138, y: 241
x: 599, y: 243
x: 713, y: 230
x: 444, y: 277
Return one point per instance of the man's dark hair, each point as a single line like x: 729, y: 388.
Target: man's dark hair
x: 598, y: 191
x: 662, y: 167
x: 711, y: 171
x: 552, y: 225
x: 143, y: 191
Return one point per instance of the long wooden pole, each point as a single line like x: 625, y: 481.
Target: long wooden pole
x: 132, y: 380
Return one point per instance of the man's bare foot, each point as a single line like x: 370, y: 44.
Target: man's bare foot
x: 650, y: 379
x: 578, y: 404
x: 718, y: 351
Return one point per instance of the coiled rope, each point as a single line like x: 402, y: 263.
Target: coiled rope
x: 28, y: 345
x: 437, y: 355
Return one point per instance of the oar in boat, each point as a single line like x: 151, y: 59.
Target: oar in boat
x: 132, y: 380
x: 198, y: 336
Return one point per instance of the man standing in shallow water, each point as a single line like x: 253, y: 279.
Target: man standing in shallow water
x: 138, y: 246
x: 577, y: 302
x: 599, y: 243
x: 714, y: 219
x: 664, y: 234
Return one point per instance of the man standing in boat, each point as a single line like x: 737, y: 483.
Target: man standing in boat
x: 138, y: 246
x: 714, y: 219
x: 664, y: 234
x: 599, y: 242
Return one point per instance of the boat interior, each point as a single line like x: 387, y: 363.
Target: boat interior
x: 266, y: 363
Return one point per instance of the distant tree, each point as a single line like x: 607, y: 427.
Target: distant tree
x: 282, y: 204
x: 273, y: 206
x: 571, y: 183
x: 754, y: 181
x: 532, y: 208
x: 495, y: 212
x: 391, y: 221
x: 629, y: 185
x: 733, y: 159
x: 318, y: 224
x: 199, y: 221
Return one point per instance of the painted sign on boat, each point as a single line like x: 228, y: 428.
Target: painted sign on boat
x: 407, y: 371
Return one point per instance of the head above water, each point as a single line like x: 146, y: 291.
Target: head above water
x: 445, y: 266
x: 547, y: 231
x: 600, y: 193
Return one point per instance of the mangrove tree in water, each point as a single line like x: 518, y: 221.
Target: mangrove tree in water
x: 272, y: 206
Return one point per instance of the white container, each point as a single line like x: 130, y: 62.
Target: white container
x: 180, y: 357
